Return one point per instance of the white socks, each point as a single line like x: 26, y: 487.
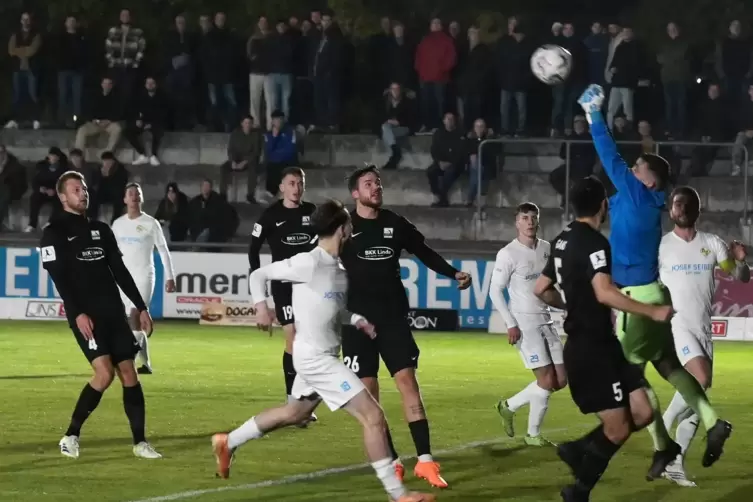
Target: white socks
x: 676, y: 408
x: 244, y: 433
x: 143, y: 342
x: 686, y: 431
x: 678, y: 411
x: 425, y: 458
x: 385, y: 471
x: 538, y: 398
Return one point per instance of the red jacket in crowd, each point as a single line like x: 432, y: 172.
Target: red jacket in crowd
x: 435, y: 57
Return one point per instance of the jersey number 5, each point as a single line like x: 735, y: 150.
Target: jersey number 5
x: 557, y: 267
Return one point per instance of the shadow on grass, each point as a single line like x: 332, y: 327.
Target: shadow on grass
x: 43, y: 377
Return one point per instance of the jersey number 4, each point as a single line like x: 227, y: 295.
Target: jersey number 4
x: 558, y: 275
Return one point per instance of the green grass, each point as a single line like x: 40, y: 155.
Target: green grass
x: 214, y: 379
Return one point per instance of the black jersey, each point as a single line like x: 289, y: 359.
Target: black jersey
x: 86, y: 265
x: 578, y: 254
x: 288, y: 231
x: 372, y: 260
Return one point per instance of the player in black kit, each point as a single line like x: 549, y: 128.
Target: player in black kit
x: 85, y: 263
x: 602, y: 381
x: 371, y: 258
x: 286, y: 227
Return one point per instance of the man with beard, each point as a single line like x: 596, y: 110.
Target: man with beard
x: 372, y: 260
x: 687, y: 259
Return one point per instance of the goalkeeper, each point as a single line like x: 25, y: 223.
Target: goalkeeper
x: 635, y: 213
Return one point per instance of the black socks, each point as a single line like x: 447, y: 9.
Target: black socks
x: 598, y: 453
x: 419, y: 430
x: 289, y: 371
x: 86, y: 404
x: 135, y: 410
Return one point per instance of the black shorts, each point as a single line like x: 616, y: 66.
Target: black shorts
x: 112, y: 337
x: 394, y: 343
x: 282, y: 294
x: 599, y: 375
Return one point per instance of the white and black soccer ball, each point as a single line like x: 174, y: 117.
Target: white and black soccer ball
x: 551, y: 64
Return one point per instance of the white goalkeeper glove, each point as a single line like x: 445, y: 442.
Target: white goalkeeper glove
x: 591, y: 101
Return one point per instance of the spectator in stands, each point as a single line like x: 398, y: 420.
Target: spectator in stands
x: 217, y: 55
x: 23, y: 47
x: 103, y: 115
x: 13, y: 184
x: 180, y: 71
x: 556, y: 32
x: 514, y: 73
x: 566, y: 94
x: 124, y: 52
x: 623, y: 132
x: 674, y: 59
x: 243, y: 154
x: 173, y: 213
x: 148, y: 114
x: 448, y: 154
x: 302, y: 93
x: 484, y: 167
x: 209, y: 216
x: 648, y: 144
x: 108, y: 187
x: 259, y: 59
x: 399, y: 121
x: 435, y: 60
x: 76, y: 162
x: 474, y: 79
x: 712, y: 127
x: 72, y: 63
x: 43, y: 185
x: 624, y: 71
x: 582, y: 159
x: 401, y: 53
x: 744, y: 139
x: 378, y: 53
x: 734, y: 63
x: 597, y: 45
x: 280, y: 151
x: 327, y: 73
x: 279, y: 83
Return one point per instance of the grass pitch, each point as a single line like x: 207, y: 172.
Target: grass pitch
x: 213, y: 379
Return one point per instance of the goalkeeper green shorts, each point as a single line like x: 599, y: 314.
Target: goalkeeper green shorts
x: 643, y: 339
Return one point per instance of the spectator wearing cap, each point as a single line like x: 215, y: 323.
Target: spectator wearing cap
x: 243, y: 154
x: 148, y: 115
x: 280, y: 151
x: 43, y: 185
x: 102, y: 116
x: 279, y: 83
x: 108, y: 187
x: 13, y: 183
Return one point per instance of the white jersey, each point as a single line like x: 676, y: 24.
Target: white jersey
x: 137, y: 239
x: 320, y: 288
x: 517, y: 267
x: 687, y: 270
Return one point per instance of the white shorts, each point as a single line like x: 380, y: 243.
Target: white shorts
x: 690, y: 345
x: 324, y: 375
x: 145, y: 285
x: 539, y: 346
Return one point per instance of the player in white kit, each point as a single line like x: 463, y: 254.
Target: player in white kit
x: 529, y: 323
x: 319, y: 300
x: 138, y: 234
x: 687, y: 259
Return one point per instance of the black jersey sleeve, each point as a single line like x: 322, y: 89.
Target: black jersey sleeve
x: 415, y: 243
x: 53, y: 250
x: 258, y: 236
x: 598, y: 256
x: 120, y: 273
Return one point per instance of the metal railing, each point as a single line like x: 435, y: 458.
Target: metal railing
x: 568, y: 145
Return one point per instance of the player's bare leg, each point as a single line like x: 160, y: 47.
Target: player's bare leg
x: 372, y: 385
x: 549, y: 379
x: 678, y: 410
x: 143, y: 341
x: 104, y: 373
x: 415, y: 414
x: 289, y: 370
x: 135, y: 408
x: 717, y: 430
x: 589, y: 456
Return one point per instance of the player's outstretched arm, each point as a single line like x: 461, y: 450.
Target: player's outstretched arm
x: 51, y: 248
x: 503, y: 268
x: 298, y: 269
x: 614, y: 165
x: 415, y: 243
x: 258, y: 236
x: 547, y: 293
x: 120, y: 273
x: 608, y: 294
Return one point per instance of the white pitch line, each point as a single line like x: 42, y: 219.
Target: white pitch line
x: 289, y: 480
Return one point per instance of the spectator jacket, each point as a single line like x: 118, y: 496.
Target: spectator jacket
x: 124, y: 48
x: 281, y: 149
x: 435, y: 57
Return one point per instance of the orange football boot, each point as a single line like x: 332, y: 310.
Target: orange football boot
x: 430, y: 472
x: 223, y: 455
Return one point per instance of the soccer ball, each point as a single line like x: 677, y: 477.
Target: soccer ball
x: 551, y: 64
